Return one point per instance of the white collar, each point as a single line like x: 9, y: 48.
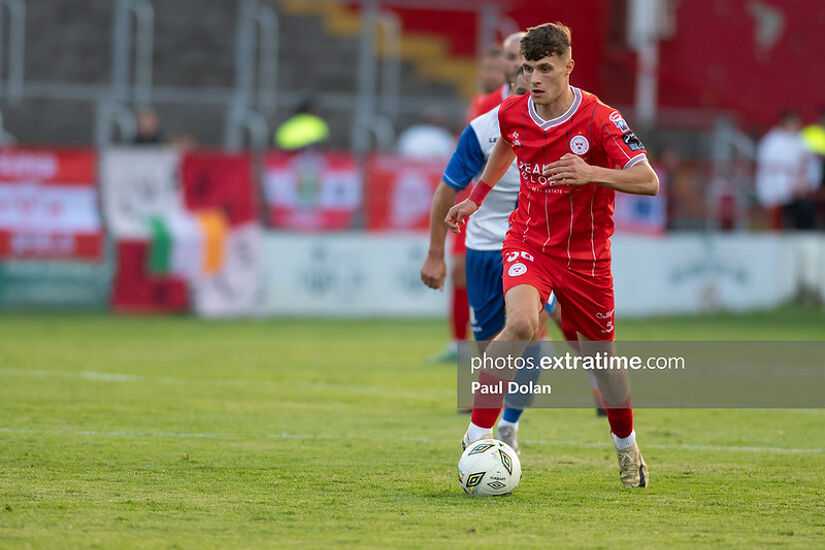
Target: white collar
x: 547, y: 124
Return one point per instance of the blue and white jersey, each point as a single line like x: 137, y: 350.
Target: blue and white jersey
x: 488, y: 226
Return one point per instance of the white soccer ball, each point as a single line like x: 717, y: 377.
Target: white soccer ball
x: 489, y: 467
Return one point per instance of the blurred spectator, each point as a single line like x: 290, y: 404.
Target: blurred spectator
x: 303, y: 129
x: 148, y: 128
x: 185, y: 141
x: 429, y: 138
x: 814, y: 136
x: 783, y: 175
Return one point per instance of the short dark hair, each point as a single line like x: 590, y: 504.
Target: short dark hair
x: 546, y: 40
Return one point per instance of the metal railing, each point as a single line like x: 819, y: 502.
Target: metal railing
x: 127, y: 86
x: 11, y: 87
x: 256, y: 27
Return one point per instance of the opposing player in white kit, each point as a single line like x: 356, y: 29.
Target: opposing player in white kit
x: 484, y: 235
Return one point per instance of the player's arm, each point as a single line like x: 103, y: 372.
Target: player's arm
x: 639, y: 179
x: 434, y: 270
x: 464, y: 165
x: 500, y: 160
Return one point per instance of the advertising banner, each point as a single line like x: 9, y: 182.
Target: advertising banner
x: 399, y: 192
x: 312, y: 191
x: 48, y: 205
x: 347, y: 275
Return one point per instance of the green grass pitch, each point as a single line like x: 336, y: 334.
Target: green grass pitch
x: 184, y: 433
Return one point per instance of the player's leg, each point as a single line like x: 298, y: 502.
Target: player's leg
x: 516, y: 402
x: 523, y: 303
x: 459, y: 309
x: 588, y: 307
x: 572, y: 338
x: 484, y: 294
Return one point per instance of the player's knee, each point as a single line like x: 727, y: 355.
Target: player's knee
x: 522, y: 326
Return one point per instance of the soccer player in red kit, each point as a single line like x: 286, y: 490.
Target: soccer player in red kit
x: 573, y: 152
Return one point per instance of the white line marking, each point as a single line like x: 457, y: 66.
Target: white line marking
x: 111, y: 377
x: 219, y: 382
x: 285, y: 435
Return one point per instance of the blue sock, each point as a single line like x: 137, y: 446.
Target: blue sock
x: 512, y: 415
x: 518, y: 401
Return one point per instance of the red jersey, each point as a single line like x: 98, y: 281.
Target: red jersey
x: 484, y: 103
x: 570, y: 223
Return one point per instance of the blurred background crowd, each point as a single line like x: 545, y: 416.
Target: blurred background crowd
x: 724, y: 95
x: 342, y: 114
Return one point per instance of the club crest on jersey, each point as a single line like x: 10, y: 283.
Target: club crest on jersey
x: 517, y: 269
x: 579, y: 145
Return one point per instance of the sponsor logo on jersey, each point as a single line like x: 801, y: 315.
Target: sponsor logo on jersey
x: 517, y: 269
x: 531, y: 175
x: 616, y: 118
x: 579, y: 145
x: 632, y: 141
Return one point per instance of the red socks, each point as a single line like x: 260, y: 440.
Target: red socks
x: 460, y: 313
x: 487, y: 406
x: 620, y: 420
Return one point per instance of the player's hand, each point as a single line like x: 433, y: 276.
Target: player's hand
x: 458, y: 215
x: 569, y: 170
x: 434, y: 271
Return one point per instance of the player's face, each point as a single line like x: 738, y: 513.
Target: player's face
x: 549, y: 78
x: 521, y: 85
x: 492, y: 73
x: 512, y: 57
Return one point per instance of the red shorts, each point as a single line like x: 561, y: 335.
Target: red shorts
x: 586, y: 301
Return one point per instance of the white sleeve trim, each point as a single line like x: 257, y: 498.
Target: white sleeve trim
x: 634, y: 161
